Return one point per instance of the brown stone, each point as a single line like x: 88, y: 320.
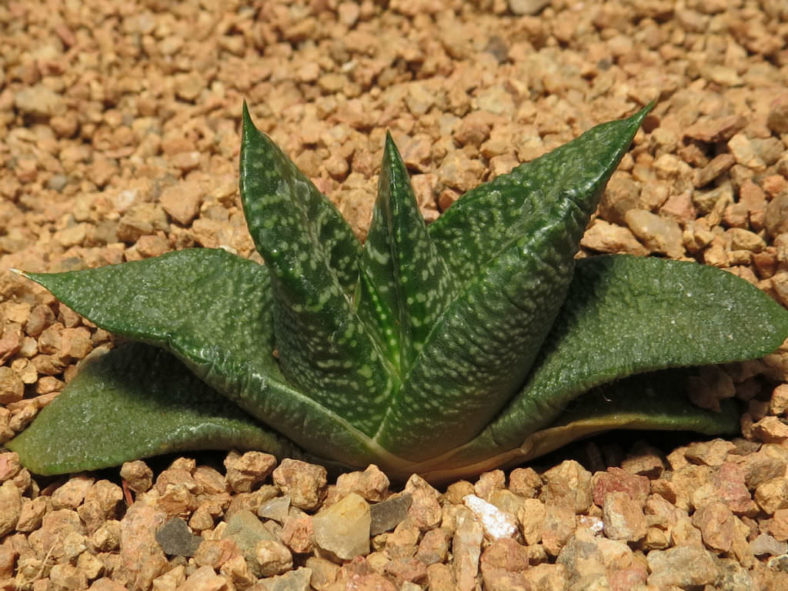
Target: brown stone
x: 406, y: 569
x: 716, y: 130
x: 770, y: 430
x: 549, y: 577
x: 623, y: 517
x: 525, y: 482
x: 621, y: 194
x: 658, y: 234
x: 718, y: 165
x: 777, y: 526
x: 273, y: 558
x: 372, y: 484
x: 568, y: 483
x: 137, y: 475
x: 531, y: 517
x: 425, y: 509
x: 434, y: 546
x: 10, y: 507
x: 205, y: 579
x: 32, y: 513
x: 459, y: 172
x: 298, y: 532
x: 305, y: 483
x: 617, y: 479
x: 772, y: 495
x: 557, y: 527
x: 142, y: 559
x: 12, y: 388
x: 716, y: 524
x: 245, y: 472
x: 182, y: 201
x: 215, y: 553
x: 710, y: 453
x: 503, y: 564
x: 602, y: 236
x: 71, y: 494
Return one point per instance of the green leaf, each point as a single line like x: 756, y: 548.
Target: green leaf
x: 488, y: 218
x: 482, y: 347
x: 290, y: 220
x: 653, y: 401
x: 324, y: 347
x: 404, y: 284
x: 626, y: 315
x: 135, y: 402
x: 213, y: 310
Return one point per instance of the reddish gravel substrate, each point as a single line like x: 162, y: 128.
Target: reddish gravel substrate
x: 119, y: 140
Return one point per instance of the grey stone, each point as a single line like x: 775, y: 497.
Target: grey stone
x: 388, y: 514
x: 246, y: 530
x: 295, y: 580
x: 684, y: 566
x: 176, y: 539
x: 57, y: 182
x: 275, y: 509
x: 527, y: 7
x: 766, y: 544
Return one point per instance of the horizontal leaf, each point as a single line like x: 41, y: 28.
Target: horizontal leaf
x: 653, y: 401
x: 481, y: 349
x: 628, y: 315
x: 213, y: 310
x: 135, y: 402
x: 324, y: 347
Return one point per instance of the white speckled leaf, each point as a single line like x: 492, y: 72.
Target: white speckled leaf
x: 324, y: 347
x: 516, y: 273
x: 404, y: 284
x: 626, y: 315
x: 213, y: 310
x: 489, y: 217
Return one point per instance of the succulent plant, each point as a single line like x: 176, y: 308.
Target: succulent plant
x: 474, y: 342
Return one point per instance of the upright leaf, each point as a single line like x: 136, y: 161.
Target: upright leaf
x: 484, y: 220
x: 134, y: 402
x: 482, y: 347
x: 213, y: 310
x: 404, y: 284
x: 312, y: 255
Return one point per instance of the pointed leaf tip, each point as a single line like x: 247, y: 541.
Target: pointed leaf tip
x: 311, y: 254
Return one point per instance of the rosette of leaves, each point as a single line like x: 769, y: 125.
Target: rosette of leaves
x: 475, y: 342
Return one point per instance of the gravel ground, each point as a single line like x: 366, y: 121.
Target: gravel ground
x: 120, y: 138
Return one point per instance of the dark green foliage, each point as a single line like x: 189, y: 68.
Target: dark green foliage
x: 475, y: 342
